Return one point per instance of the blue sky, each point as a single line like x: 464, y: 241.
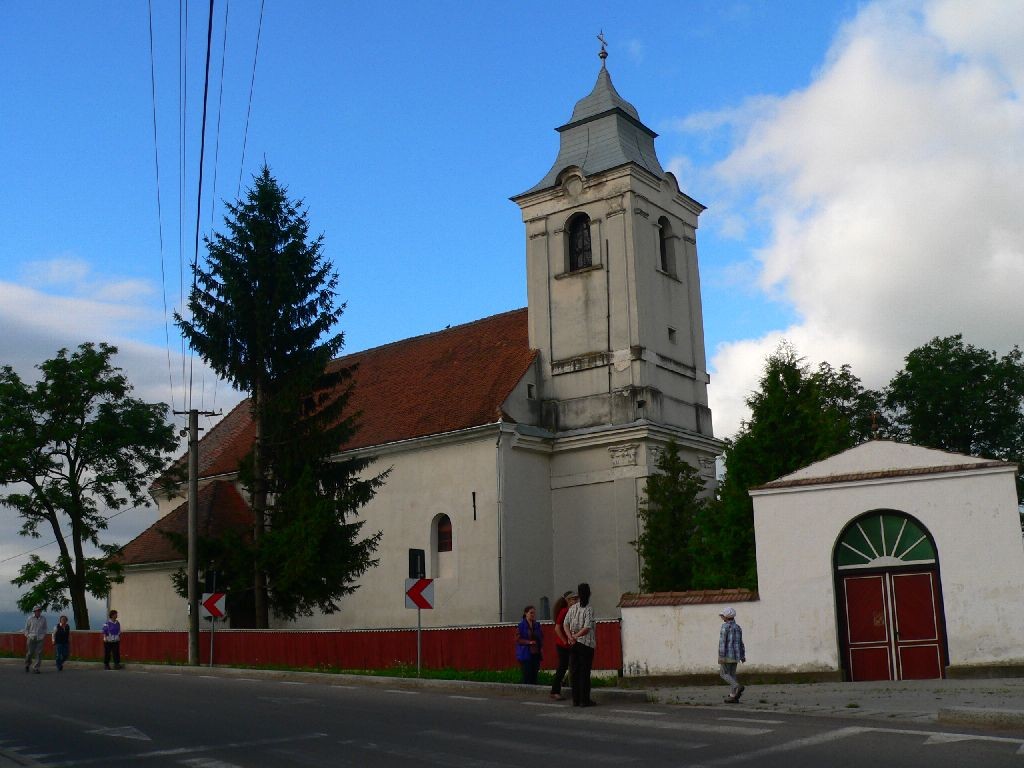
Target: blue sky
x: 861, y: 164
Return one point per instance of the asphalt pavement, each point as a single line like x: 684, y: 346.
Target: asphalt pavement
x: 987, y: 703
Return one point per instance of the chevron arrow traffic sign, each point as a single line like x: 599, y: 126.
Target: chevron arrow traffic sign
x: 419, y: 593
x: 212, y: 605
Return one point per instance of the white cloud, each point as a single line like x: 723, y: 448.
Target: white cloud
x: 892, y: 187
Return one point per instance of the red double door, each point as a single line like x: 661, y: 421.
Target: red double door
x: 894, y: 628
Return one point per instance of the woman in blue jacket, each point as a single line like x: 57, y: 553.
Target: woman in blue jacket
x: 529, y: 644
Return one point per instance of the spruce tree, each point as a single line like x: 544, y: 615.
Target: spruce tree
x: 264, y: 315
x: 675, y: 497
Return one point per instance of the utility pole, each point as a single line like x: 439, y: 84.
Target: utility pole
x: 193, y: 532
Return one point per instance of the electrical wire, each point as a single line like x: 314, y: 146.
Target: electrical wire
x: 252, y: 84
x: 159, y: 208
x: 182, y: 143
x: 199, y: 191
x: 216, y: 164
x: 51, y: 543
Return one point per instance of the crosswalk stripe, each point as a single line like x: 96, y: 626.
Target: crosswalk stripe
x: 518, y: 745
x: 668, y: 725
x: 593, y: 734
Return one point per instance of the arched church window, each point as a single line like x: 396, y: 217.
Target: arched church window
x: 444, y: 533
x: 666, y: 247
x: 579, y: 252
x: 884, y: 539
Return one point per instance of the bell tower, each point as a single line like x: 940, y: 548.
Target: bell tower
x: 612, y: 278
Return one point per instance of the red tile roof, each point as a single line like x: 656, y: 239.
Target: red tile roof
x: 427, y: 385
x: 221, y: 508
x: 693, y: 597
x: 856, y: 477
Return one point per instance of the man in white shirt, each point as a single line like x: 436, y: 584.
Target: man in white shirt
x: 35, y: 636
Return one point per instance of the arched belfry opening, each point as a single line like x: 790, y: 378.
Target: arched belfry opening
x: 889, y: 599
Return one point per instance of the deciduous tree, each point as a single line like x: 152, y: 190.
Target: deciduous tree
x: 74, y: 445
x: 962, y: 398
x: 797, y: 416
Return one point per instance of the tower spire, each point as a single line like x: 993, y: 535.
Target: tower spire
x: 604, y: 48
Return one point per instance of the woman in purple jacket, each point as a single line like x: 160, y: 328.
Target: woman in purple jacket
x: 529, y: 644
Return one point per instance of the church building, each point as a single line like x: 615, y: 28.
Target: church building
x: 518, y: 445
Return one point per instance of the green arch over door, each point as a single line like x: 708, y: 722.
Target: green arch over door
x: 884, y: 539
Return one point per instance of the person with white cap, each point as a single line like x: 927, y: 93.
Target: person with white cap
x: 730, y: 653
x: 35, y: 636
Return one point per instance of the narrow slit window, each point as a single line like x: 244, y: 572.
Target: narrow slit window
x: 444, y: 534
x: 578, y: 232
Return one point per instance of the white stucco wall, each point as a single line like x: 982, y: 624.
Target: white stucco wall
x: 973, y: 519
x: 683, y: 639
x: 428, y: 479
x: 146, y: 599
x: 972, y: 516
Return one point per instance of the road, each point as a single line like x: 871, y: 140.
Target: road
x: 87, y: 716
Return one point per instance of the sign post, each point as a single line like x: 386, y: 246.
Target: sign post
x: 419, y: 594
x: 212, y: 608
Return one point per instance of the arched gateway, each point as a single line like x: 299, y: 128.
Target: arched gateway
x: 891, y: 623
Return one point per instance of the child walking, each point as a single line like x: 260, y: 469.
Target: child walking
x: 730, y: 653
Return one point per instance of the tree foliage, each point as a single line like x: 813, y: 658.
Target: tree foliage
x: 797, y: 416
x: 958, y: 397
x: 72, y: 445
x: 263, y: 316
x: 676, y: 497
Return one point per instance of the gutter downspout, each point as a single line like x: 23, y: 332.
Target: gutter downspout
x: 500, y: 491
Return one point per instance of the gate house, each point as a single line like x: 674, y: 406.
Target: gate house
x: 892, y: 562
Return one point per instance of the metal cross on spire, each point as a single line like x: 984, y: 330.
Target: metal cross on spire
x: 604, y: 47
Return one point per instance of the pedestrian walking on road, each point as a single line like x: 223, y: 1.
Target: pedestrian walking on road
x: 562, y: 606
x: 62, y: 642
x: 579, y: 629
x: 529, y: 645
x: 731, y: 653
x: 112, y: 642
x: 35, y: 638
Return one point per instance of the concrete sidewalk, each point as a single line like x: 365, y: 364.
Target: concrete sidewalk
x: 995, y: 703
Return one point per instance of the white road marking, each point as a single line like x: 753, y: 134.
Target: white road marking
x: 946, y: 738
x: 638, y: 712
x: 789, y: 746
x: 931, y: 737
x: 510, y: 746
x: 935, y: 737
x: 665, y: 725
x: 123, y: 732
x: 752, y: 720
x: 596, y: 735
x: 404, y: 693
x: 195, y: 750
x: 292, y: 682
x: 468, y: 698
x: 541, y: 704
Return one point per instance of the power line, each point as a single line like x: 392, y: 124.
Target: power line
x: 199, y: 191
x: 51, y: 543
x: 182, y: 143
x: 252, y: 84
x: 216, y: 164
x: 159, y: 207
